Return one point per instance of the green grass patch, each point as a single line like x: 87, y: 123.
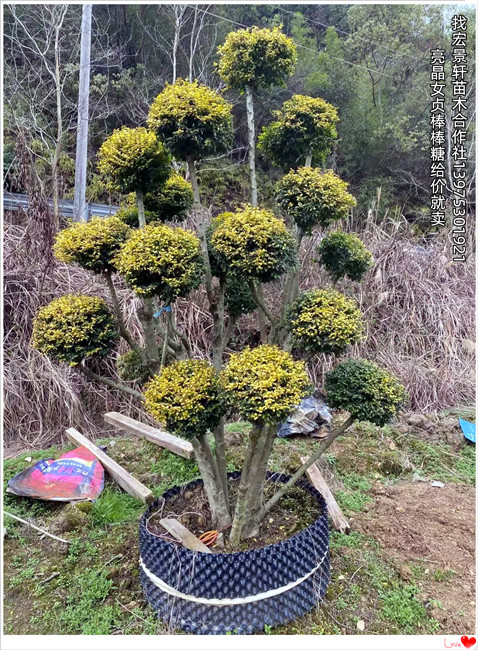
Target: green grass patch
x: 114, y: 507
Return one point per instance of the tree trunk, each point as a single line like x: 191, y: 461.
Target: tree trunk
x: 145, y: 314
x: 212, y: 482
x: 140, y: 205
x: 308, y: 159
x: 242, y: 493
x: 252, y: 144
x: 255, y: 502
x: 221, y: 459
x: 194, y: 182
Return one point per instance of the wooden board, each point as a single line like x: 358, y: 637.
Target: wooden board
x: 183, y: 535
x: 318, y: 481
x: 158, y: 436
x: 120, y: 475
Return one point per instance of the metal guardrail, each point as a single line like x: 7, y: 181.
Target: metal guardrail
x: 15, y: 202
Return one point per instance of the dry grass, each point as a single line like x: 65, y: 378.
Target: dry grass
x: 418, y: 307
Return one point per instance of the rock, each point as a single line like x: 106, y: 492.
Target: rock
x: 437, y: 484
x: 311, y: 418
x: 71, y: 518
x: 84, y: 506
x: 405, y: 572
x: 420, y: 421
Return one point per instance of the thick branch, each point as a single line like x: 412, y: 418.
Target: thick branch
x: 261, y: 303
x: 119, y: 318
x: 301, y: 471
x: 109, y: 382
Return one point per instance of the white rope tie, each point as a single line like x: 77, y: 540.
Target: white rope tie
x: 227, y: 601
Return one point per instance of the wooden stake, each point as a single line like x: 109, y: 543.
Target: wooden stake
x: 157, y: 436
x: 183, y: 535
x: 318, y: 481
x: 120, y: 475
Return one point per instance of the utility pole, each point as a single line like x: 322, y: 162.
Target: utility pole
x: 80, y: 209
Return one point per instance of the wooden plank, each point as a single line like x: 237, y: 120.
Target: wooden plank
x: 183, y: 535
x: 157, y: 436
x: 318, y: 481
x: 120, y: 475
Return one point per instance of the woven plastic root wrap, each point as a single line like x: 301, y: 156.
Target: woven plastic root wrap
x: 267, y: 586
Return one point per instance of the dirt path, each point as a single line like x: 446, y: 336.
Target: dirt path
x: 429, y: 533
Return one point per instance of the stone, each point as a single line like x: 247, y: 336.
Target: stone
x: 70, y: 519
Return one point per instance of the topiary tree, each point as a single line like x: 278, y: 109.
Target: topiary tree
x: 134, y: 161
x: 344, y: 255
x: 305, y: 128
x: 185, y: 384
x: 251, y: 59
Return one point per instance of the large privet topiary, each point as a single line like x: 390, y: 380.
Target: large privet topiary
x: 304, y: 132
x: 192, y: 382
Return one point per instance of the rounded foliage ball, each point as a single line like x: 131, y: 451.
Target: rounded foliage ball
x: 129, y: 215
x: 344, y: 254
x: 186, y: 398
x: 253, y: 243
x: 173, y: 201
x: 130, y: 367
x: 93, y: 244
x: 134, y: 160
x: 193, y: 120
x: 312, y: 197
x: 303, y: 125
x: 162, y: 261
x: 256, y: 57
x: 73, y: 328
x: 264, y: 384
x: 368, y: 392
x: 324, y: 320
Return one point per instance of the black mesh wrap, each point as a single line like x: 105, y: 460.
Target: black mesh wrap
x: 236, y: 575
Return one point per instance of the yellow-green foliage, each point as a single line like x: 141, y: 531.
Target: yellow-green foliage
x: 303, y: 125
x: 134, y: 160
x: 256, y: 57
x: 91, y: 244
x: 162, y: 261
x: 173, y: 201
x: 186, y: 398
x: 366, y: 391
x: 253, y: 243
x: 324, y: 320
x: 73, y: 328
x: 312, y: 197
x: 264, y: 384
x: 343, y: 254
x: 193, y: 120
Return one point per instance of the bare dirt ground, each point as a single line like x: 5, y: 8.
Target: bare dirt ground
x: 436, y: 527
